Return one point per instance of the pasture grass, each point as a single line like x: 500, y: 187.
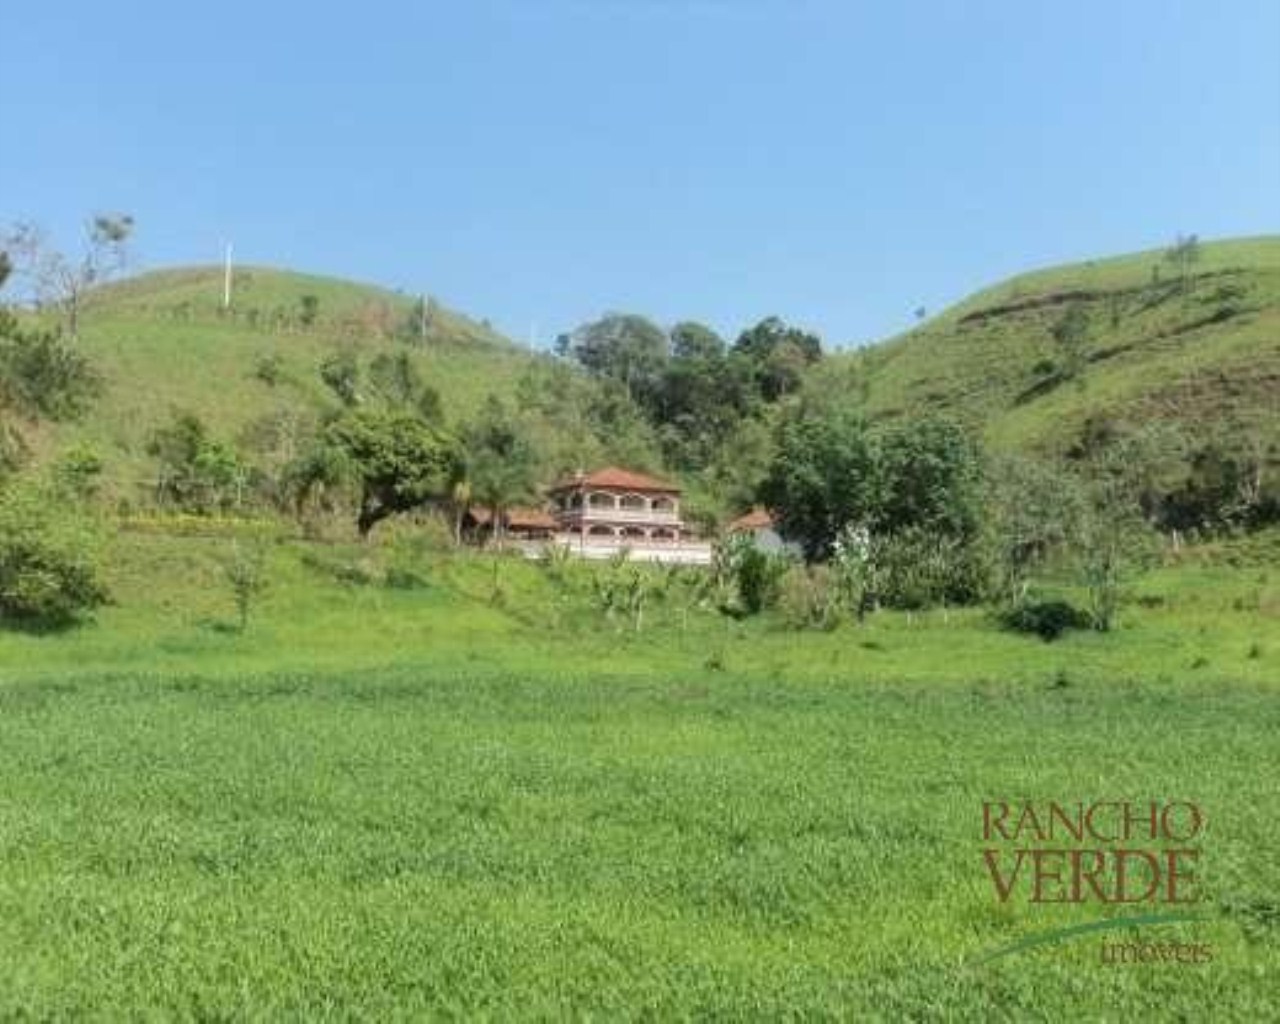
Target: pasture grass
x: 394, y: 801
x: 161, y: 335
x: 1207, y: 355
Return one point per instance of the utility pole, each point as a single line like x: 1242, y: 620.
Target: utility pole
x: 226, y: 279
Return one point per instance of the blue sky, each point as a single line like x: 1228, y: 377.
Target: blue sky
x: 538, y: 162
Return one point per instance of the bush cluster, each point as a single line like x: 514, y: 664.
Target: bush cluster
x: 49, y: 575
x: 1046, y: 619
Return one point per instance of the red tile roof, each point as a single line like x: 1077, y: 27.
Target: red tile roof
x: 613, y: 478
x: 529, y: 519
x: 516, y: 517
x: 757, y: 519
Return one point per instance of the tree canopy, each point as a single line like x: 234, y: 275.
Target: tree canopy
x: 830, y: 471
x: 401, y: 462
x: 821, y: 477
x: 499, y: 461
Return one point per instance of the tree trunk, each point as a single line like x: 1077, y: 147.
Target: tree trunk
x: 371, y: 513
x: 73, y: 313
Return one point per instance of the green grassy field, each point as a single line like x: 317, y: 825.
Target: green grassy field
x: 1208, y: 355
x: 384, y: 801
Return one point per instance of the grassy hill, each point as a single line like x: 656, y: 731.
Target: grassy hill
x: 162, y: 342
x: 1201, y: 350
x: 1204, y: 352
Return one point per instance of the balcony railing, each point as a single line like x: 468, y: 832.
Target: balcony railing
x: 619, y: 515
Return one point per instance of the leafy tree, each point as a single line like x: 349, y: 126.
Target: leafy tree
x: 575, y: 420
x: 779, y: 354
x: 340, y: 372
x: 76, y: 473
x: 49, y: 575
x: 196, y: 471
x: 273, y: 441
x: 1228, y: 482
x: 397, y: 380
x: 318, y: 476
x: 400, y: 461
x: 246, y: 572
x: 500, y: 462
x: 696, y: 342
x: 40, y: 374
x: 623, y: 347
x: 908, y: 495
x: 500, y: 465
x: 1114, y: 537
x: 62, y: 280
x: 925, y: 522
x: 48, y: 566
x: 705, y: 398
x: 308, y: 310
x: 740, y: 463
x: 928, y: 473
x: 821, y: 478
x: 1032, y: 512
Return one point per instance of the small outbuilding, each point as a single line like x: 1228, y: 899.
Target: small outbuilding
x: 518, y: 523
x: 762, y: 526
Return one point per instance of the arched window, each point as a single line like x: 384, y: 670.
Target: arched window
x: 633, y: 503
x: 598, y: 500
x: 663, y: 535
x: 663, y: 505
x: 633, y: 533
x: 600, y: 531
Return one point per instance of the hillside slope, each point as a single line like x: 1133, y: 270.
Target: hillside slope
x: 1204, y: 352
x: 162, y: 342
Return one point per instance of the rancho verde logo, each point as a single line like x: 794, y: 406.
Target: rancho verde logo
x: 1142, y: 857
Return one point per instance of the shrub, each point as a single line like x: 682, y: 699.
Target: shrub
x: 555, y: 560
x: 748, y: 575
x: 359, y: 573
x: 196, y: 472
x: 77, y: 473
x: 246, y: 572
x: 308, y: 310
x: 808, y: 599
x: 48, y: 572
x: 399, y: 578
x: 757, y: 580
x: 1046, y: 619
x: 269, y: 369
x: 917, y: 569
